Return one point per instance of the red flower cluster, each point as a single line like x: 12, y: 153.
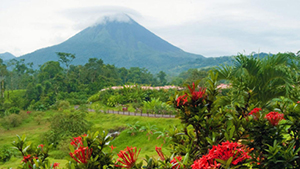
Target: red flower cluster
x: 223, y: 151
x: 82, y: 154
x: 77, y: 141
x: 182, y: 100
x: 274, y: 118
x: 28, y: 112
x: 55, y: 165
x: 128, y: 156
x: 175, y: 161
x: 160, y: 153
x: 255, y: 113
x: 41, y: 146
x: 28, y: 158
x: 196, y: 95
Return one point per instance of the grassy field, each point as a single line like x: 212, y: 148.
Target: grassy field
x: 100, y: 121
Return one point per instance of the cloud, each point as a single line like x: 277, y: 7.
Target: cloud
x: 89, y: 16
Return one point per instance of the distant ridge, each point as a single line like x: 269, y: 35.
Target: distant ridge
x: 124, y: 44
x: 7, y: 56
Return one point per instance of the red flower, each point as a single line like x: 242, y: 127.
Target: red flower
x: 274, y: 118
x: 55, y: 165
x: 112, y: 147
x: 255, y: 113
x: 128, y: 156
x: 181, y: 100
x: 81, y: 155
x: 28, y: 112
x: 160, y: 153
x: 76, y: 141
x: 26, y: 158
x: 41, y: 146
x: 175, y: 161
x: 29, y: 159
x: 196, y: 95
x: 223, y: 151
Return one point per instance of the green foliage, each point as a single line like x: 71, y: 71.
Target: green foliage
x: 66, y: 125
x: 62, y: 105
x: 96, y: 143
x: 11, y: 121
x: 157, y: 106
x: 6, y: 152
x: 33, y: 156
x: 15, y: 110
x: 277, y: 75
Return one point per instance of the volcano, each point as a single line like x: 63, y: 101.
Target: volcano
x: 121, y: 43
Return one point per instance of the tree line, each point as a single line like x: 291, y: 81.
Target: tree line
x: 55, y: 80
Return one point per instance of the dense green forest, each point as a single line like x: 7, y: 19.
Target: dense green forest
x: 38, y: 89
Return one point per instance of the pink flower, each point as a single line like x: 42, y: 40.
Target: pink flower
x: 274, y: 118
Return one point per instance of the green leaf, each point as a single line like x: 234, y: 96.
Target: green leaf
x: 186, y: 159
x: 71, y: 148
x: 209, y: 140
x: 25, y: 149
x: 229, y: 162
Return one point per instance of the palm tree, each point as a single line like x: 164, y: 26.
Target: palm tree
x: 259, y: 80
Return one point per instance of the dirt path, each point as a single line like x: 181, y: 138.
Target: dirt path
x: 163, y: 115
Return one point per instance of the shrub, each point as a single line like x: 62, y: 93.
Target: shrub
x: 12, y: 120
x: 66, y: 125
x: 38, y: 119
x: 24, y: 115
x: 15, y: 110
x: 5, y: 153
x: 62, y: 105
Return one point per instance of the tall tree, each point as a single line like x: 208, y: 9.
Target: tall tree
x: 65, y: 58
x: 3, y: 74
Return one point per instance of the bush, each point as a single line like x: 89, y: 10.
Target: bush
x: 24, y: 115
x: 12, y: 120
x: 5, y: 153
x: 62, y: 105
x: 38, y: 119
x: 66, y: 125
x: 15, y: 110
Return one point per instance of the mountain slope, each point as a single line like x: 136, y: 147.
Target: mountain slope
x: 124, y: 44
x: 208, y: 62
x: 6, y: 56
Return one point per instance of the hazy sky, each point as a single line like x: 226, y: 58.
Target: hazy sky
x: 208, y: 27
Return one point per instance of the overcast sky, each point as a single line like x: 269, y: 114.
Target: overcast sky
x: 207, y: 27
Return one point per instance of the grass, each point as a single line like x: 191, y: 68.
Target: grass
x: 100, y: 121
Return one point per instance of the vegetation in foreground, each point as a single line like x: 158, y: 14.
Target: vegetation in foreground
x: 242, y: 127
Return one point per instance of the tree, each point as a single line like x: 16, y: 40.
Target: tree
x: 65, y: 58
x: 3, y: 73
x: 162, y: 77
